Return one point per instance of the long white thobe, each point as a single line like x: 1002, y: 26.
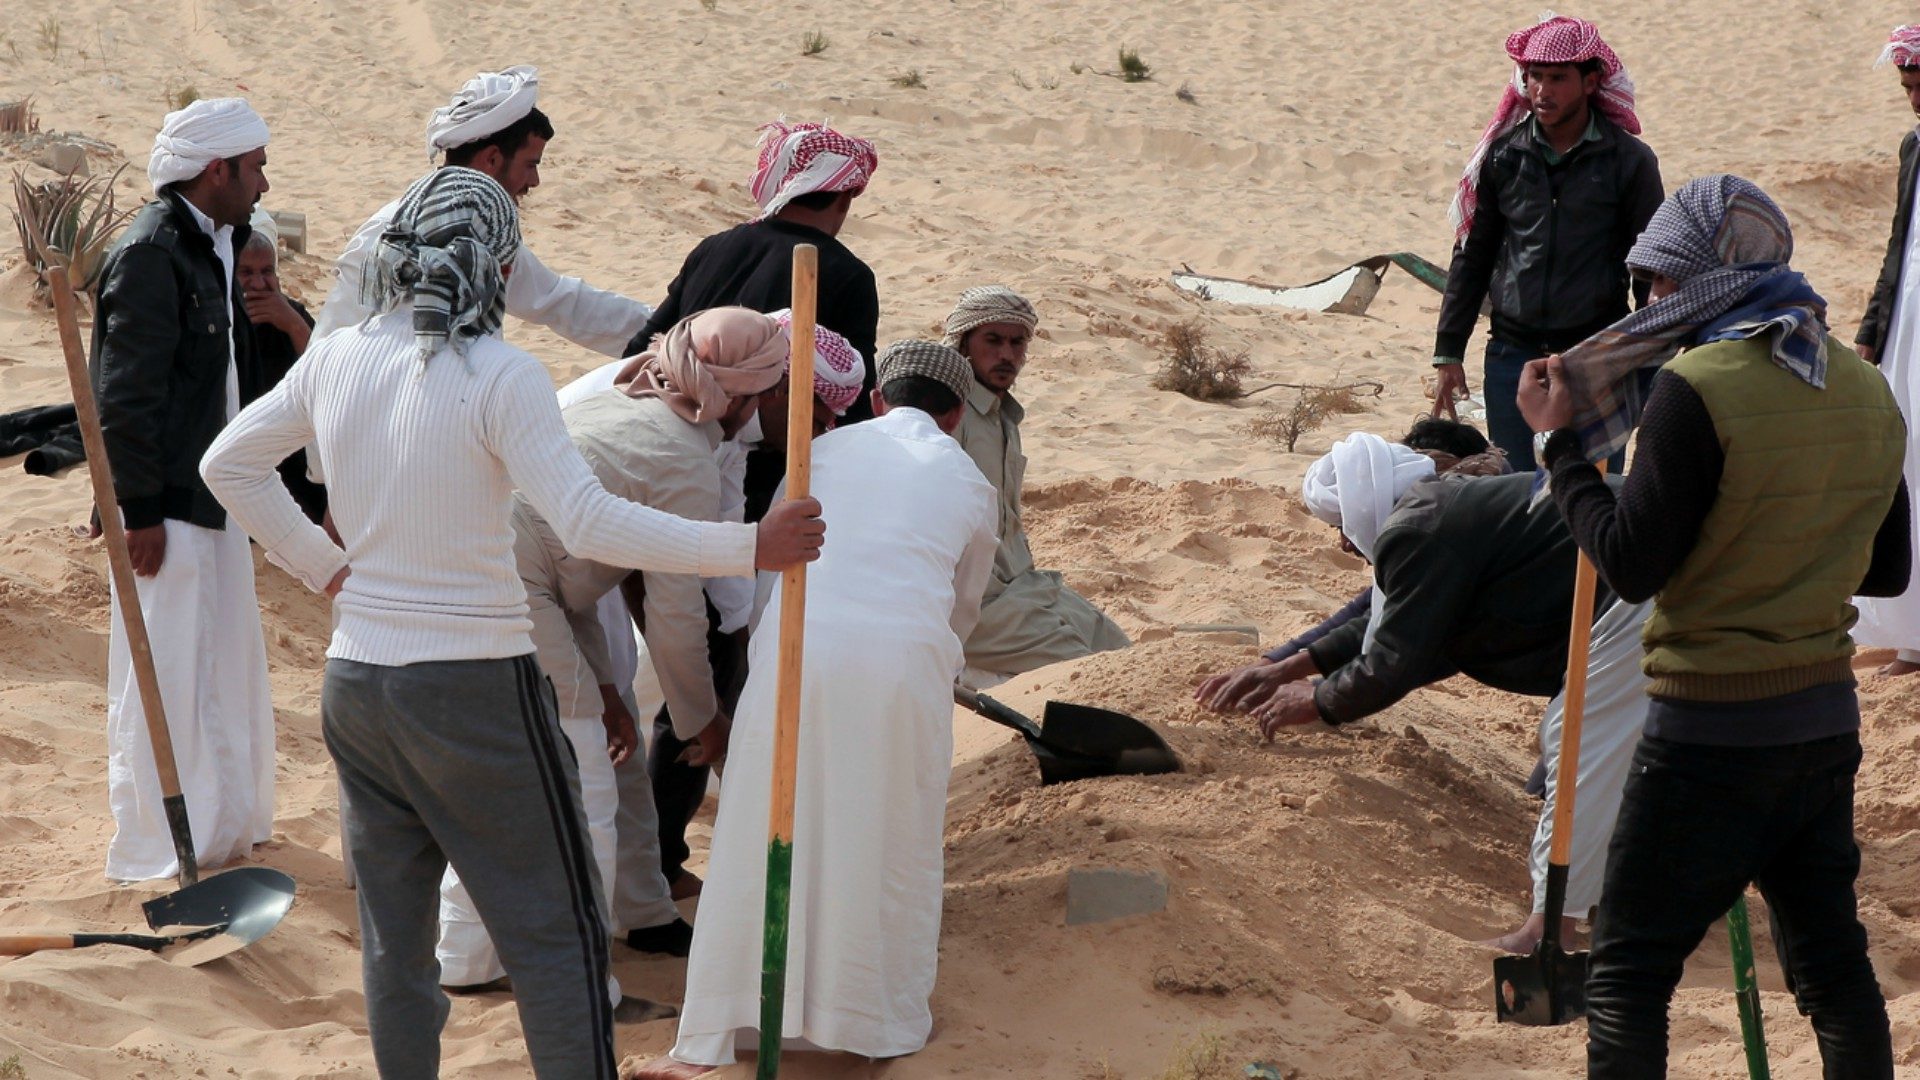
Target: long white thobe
x: 896, y: 590
x: 594, y: 318
x: 1894, y: 621
x: 210, y: 660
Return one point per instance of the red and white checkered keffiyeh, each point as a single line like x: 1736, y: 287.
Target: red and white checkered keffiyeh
x: 839, y: 372
x: 1555, y: 39
x: 796, y: 159
x: 1903, y: 47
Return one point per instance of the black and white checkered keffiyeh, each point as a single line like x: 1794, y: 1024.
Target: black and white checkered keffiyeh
x: 451, y: 236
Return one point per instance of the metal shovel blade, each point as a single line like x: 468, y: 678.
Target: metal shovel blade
x: 1545, y: 988
x: 220, y: 914
x: 1129, y: 747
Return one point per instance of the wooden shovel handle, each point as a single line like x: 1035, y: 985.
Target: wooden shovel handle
x: 22, y: 944
x: 793, y: 582
x: 1579, y: 648
x: 121, y: 566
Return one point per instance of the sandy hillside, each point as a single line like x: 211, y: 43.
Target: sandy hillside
x: 1326, y: 890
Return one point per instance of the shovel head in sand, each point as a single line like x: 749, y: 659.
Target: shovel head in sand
x: 1078, y: 742
x: 199, y: 923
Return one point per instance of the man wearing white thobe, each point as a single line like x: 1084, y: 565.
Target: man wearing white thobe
x: 493, y: 126
x: 895, y: 592
x: 172, y: 346
x: 1890, y: 337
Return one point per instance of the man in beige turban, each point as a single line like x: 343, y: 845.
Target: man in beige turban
x: 651, y: 438
x: 1030, y: 618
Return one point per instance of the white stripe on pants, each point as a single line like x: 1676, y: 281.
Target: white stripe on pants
x: 465, y: 951
x: 1615, y: 713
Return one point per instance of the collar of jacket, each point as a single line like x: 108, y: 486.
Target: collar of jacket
x: 189, y: 228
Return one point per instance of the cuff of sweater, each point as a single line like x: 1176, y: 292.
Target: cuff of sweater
x: 308, y: 554
x: 727, y: 549
x: 1562, y: 444
x: 1326, y: 715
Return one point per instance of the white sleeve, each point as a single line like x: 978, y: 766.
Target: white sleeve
x: 732, y: 597
x: 971, y: 574
x: 599, y: 320
x: 524, y: 429
x: 343, y: 307
x: 241, y: 468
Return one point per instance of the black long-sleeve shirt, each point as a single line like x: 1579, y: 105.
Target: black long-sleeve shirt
x: 751, y: 266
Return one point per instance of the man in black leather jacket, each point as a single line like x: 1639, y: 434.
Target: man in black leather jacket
x: 1546, y: 221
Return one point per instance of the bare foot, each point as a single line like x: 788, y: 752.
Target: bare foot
x: 1899, y: 667
x: 665, y: 1068
x: 686, y: 885
x: 1527, y: 935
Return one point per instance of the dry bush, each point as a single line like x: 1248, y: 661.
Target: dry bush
x: 181, y: 95
x: 69, y: 222
x: 1132, y: 68
x: 1312, y: 407
x: 911, y: 80
x: 813, y: 43
x: 17, y: 118
x: 1199, y: 370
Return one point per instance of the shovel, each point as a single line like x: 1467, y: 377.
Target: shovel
x: 1077, y: 742
x: 238, y: 907
x: 1548, y: 986
x: 201, y: 922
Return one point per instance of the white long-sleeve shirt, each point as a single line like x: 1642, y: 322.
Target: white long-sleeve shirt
x: 594, y: 318
x: 422, y: 462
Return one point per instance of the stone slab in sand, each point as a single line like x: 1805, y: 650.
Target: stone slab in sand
x: 1325, y: 891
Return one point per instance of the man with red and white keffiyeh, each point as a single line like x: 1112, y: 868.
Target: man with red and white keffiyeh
x: 1552, y: 197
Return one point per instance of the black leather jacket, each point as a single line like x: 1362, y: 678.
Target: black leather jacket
x: 159, y: 362
x: 1549, y: 242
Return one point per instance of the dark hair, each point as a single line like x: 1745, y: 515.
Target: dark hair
x: 1589, y: 66
x: 817, y: 200
x: 509, y: 139
x: 1447, y: 436
x: 929, y: 395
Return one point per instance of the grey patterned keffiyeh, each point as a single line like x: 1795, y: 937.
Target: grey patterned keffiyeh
x: 451, y: 236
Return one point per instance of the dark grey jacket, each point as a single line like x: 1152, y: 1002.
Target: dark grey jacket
x: 159, y: 362
x: 1879, y: 317
x: 1549, y: 242
x: 1475, y: 584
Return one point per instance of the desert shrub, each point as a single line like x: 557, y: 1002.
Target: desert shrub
x: 1198, y: 370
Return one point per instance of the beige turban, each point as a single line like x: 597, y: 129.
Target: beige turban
x: 204, y: 132
x: 491, y: 102
x: 985, y: 304
x: 707, y: 360
x: 927, y: 359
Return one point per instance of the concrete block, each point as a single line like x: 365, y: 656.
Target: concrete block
x: 293, y: 229
x: 1097, y: 894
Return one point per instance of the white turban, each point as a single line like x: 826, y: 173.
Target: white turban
x: 1356, y: 484
x: 204, y: 132
x: 491, y: 102
x: 265, y: 231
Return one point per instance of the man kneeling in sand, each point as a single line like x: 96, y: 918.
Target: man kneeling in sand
x: 1030, y: 618
x: 894, y: 594
x: 1466, y: 581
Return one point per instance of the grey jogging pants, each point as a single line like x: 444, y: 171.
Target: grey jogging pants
x: 464, y: 762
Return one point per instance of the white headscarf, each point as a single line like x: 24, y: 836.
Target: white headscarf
x: 492, y: 101
x: 1355, y: 486
x: 265, y: 231
x: 204, y: 132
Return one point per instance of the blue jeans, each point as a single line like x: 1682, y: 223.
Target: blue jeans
x: 1506, y: 428
x: 1697, y: 823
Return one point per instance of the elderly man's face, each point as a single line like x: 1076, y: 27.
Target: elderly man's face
x: 256, y: 271
x: 998, y: 353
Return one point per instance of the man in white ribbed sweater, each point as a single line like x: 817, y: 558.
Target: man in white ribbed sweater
x: 434, y: 709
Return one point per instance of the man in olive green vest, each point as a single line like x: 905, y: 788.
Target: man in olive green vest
x: 1765, y: 491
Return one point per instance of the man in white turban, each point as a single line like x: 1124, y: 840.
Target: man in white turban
x: 493, y: 126
x: 1467, y: 581
x: 1029, y: 618
x: 173, y: 358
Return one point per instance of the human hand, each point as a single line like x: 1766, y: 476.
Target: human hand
x: 1290, y: 706
x: 1867, y: 353
x: 147, y: 549
x: 790, y: 534
x: 339, y: 581
x: 623, y: 735
x: 1543, y: 396
x: 266, y: 307
x: 1242, y: 688
x: 710, y: 746
x: 1450, y: 385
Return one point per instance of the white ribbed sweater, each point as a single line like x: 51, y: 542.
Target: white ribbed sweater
x: 420, y: 465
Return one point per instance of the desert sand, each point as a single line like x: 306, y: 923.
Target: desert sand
x: 1326, y: 890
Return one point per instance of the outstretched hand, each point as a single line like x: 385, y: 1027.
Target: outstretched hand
x: 1245, y: 688
x: 790, y: 534
x: 1290, y: 706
